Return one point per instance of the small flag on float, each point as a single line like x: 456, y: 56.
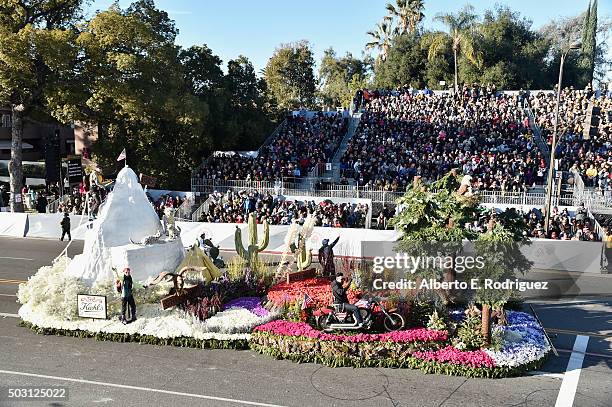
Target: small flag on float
x: 307, y: 302
x: 122, y: 156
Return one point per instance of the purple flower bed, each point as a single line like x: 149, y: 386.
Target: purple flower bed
x: 253, y: 304
x: 525, y: 341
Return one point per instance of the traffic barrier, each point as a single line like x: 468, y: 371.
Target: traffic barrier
x: 564, y: 255
x: 13, y: 224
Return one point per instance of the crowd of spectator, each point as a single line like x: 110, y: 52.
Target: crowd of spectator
x: 82, y: 199
x: 402, y: 135
x: 563, y: 225
x: 164, y: 201
x: 301, y: 144
x: 234, y: 207
x: 580, y: 147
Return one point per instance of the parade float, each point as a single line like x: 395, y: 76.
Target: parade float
x: 273, y: 308
x: 180, y: 297
x: 127, y: 233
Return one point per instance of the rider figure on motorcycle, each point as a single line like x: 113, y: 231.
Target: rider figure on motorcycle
x: 339, y: 288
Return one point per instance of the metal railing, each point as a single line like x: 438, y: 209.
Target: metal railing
x: 310, y: 188
x: 274, y: 134
x: 53, y: 206
x: 202, y: 209
x: 579, y: 187
x: 318, y: 170
x: 183, y: 212
x: 537, y: 131
x: 592, y: 199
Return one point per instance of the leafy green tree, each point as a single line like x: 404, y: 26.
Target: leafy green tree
x: 133, y: 86
x: 438, y: 69
x: 340, y: 77
x: 500, y: 248
x: 37, y: 43
x: 289, y: 76
x: 432, y: 222
x: 382, y: 36
x: 250, y: 121
x: 589, y: 43
x: 202, y: 70
x: 404, y: 65
x: 409, y: 14
x: 513, y: 55
x: 462, y: 35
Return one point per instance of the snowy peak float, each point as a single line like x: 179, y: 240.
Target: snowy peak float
x: 127, y: 233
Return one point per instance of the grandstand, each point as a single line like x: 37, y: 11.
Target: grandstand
x: 502, y: 139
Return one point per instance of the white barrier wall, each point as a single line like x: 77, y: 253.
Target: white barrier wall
x: 48, y: 225
x: 222, y: 234
x: 567, y: 255
x: 13, y: 224
x: 545, y: 254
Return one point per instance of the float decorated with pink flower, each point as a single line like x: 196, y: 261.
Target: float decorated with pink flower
x: 285, y: 306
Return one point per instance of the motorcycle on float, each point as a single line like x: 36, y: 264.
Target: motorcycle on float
x: 334, y: 317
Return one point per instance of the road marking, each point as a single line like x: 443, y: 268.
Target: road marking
x: 3, y: 314
x: 17, y: 258
x: 546, y: 374
x: 7, y: 281
x: 8, y: 295
x: 567, y: 392
x: 570, y: 332
x: 597, y: 355
x: 125, y: 386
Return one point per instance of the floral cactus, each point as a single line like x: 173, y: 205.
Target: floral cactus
x: 303, y: 257
x: 251, y: 252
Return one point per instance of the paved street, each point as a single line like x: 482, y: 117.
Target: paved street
x: 105, y: 373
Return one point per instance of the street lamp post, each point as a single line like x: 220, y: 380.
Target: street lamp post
x: 551, y: 164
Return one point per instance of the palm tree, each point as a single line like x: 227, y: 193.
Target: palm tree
x: 462, y: 34
x: 381, y: 38
x: 408, y: 12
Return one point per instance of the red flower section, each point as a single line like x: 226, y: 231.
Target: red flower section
x: 450, y: 354
x: 289, y: 328
x: 319, y: 289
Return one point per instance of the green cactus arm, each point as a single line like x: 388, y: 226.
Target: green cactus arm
x: 238, y: 243
x: 304, y: 259
x: 266, y: 237
x: 308, y: 259
x: 252, y: 229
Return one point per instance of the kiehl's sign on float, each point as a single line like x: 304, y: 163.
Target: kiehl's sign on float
x: 92, y: 306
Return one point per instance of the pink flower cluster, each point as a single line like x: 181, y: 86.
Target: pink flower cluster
x: 450, y: 354
x: 289, y: 328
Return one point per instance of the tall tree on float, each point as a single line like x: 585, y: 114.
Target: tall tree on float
x: 433, y: 221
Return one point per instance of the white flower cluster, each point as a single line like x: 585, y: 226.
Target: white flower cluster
x: 232, y: 324
x: 524, y: 341
x: 52, y: 292
x: 234, y: 320
x: 151, y: 320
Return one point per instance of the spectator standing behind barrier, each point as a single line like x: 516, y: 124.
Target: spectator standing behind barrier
x: 608, y: 249
x: 4, y: 198
x: 41, y: 203
x: 65, y: 224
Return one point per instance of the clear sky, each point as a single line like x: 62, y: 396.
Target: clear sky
x: 255, y: 27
